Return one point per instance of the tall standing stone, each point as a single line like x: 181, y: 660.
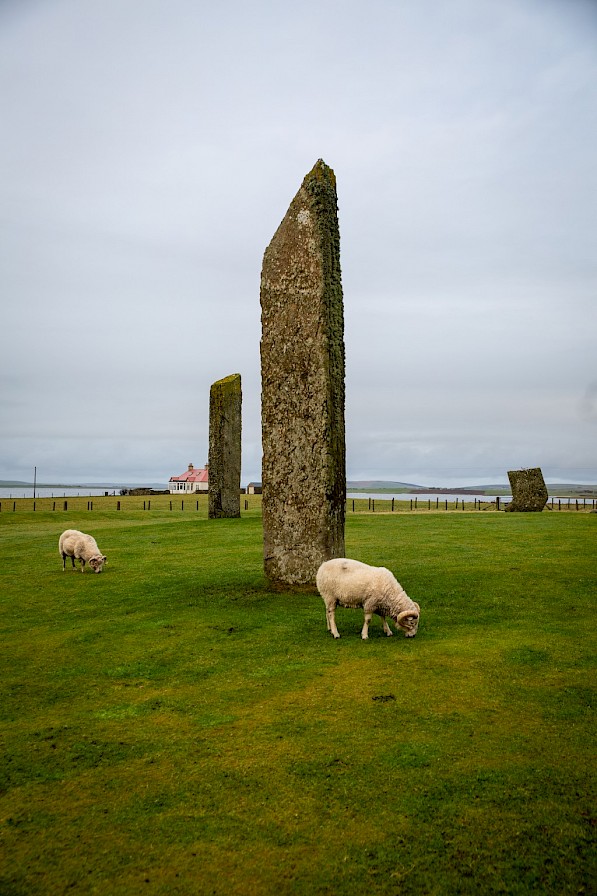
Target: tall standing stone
x: 529, y: 492
x: 302, y: 386
x: 225, y: 402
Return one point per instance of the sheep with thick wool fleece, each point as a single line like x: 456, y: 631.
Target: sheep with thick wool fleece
x: 350, y: 583
x: 79, y: 546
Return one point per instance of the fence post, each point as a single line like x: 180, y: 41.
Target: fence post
x: 411, y: 503
x: 170, y: 505
x: 14, y: 506
x: 437, y: 503
x: 392, y: 505
x: 182, y: 505
x: 66, y: 505
x: 118, y: 505
x: 416, y: 499
x: 446, y: 503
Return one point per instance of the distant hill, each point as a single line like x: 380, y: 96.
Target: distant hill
x: 554, y: 488
x: 17, y: 483
x: 380, y: 485
x: 159, y: 486
x: 355, y: 485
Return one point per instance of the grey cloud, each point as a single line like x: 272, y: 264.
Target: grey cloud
x: 152, y: 150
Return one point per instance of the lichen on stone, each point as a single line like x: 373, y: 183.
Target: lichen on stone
x: 225, y: 429
x: 529, y: 492
x: 302, y: 367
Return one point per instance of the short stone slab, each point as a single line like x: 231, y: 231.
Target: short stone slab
x: 529, y: 492
x: 225, y: 411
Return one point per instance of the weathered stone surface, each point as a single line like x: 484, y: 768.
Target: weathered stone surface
x: 225, y: 404
x: 529, y: 493
x: 302, y: 381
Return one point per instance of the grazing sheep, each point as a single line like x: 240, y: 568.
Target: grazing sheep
x: 77, y: 545
x: 349, y: 583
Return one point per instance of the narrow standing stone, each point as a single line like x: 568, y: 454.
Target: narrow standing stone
x: 302, y: 383
x: 529, y: 492
x: 225, y: 401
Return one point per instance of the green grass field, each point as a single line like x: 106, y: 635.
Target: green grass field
x: 173, y: 727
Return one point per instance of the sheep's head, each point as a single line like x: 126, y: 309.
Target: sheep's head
x: 97, y: 562
x: 408, y: 621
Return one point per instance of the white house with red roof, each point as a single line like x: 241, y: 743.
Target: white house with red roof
x: 193, y: 480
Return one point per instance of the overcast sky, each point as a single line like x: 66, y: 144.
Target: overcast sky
x: 149, y: 150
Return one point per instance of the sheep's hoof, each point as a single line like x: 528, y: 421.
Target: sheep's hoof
x: 365, y: 637
x: 389, y: 634
x: 336, y: 637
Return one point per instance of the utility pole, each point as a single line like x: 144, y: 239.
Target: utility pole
x: 34, y: 481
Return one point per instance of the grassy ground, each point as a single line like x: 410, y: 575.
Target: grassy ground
x: 171, y: 726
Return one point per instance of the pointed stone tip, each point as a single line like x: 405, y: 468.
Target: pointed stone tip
x: 320, y: 171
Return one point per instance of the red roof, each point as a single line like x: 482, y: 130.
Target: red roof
x: 191, y: 476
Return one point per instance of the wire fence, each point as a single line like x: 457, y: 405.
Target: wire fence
x: 391, y: 505
x: 252, y: 503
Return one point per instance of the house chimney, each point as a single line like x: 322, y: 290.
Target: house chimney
x: 190, y: 467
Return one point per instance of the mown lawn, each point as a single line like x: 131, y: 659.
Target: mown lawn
x: 172, y: 726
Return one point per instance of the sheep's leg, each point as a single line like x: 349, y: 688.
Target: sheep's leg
x: 82, y: 564
x: 64, y: 556
x: 386, y: 627
x: 331, y: 621
x: 365, y: 629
